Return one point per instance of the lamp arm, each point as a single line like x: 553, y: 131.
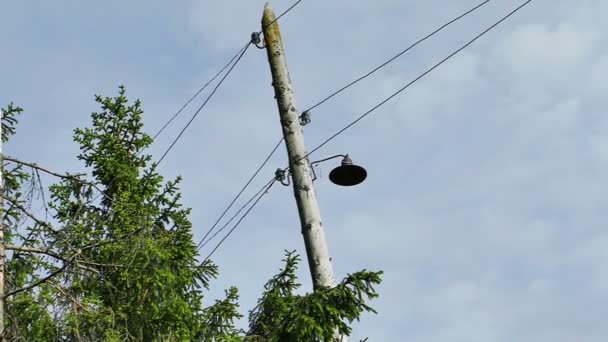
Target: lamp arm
x: 328, y: 158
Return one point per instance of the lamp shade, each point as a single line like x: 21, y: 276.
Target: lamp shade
x: 347, y: 174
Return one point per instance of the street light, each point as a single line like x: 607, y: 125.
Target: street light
x: 347, y: 174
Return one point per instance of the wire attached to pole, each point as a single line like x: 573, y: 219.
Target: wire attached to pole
x: 255, y: 174
x: 242, y: 53
x: 417, y: 78
x: 264, y: 191
x: 397, y: 55
x: 196, y: 95
x: 205, y: 242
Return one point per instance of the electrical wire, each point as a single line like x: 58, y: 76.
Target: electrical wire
x: 242, y: 53
x: 264, y: 191
x: 282, y: 14
x: 203, y: 242
x: 417, y: 78
x: 197, y: 94
x: 231, y: 219
x: 233, y: 63
x: 397, y: 55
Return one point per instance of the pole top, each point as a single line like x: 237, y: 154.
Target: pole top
x: 269, y: 16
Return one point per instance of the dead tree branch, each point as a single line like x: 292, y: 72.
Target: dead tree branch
x: 45, y: 170
x: 41, y: 281
x: 63, y: 291
x: 60, y: 175
x: 35, y: 250
x: 40, y: 222
x: 82, y: 264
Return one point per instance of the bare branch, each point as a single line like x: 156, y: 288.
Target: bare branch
x: 60, y: 175
x: 46, y: 208
x: 43, y: 169
x: 86, y: 268
x: 84, y: 265
x: 72, y: 299
x: 99, y: 264
x: 41, y: 281
x: 42, y: 223
x: 35, y: 250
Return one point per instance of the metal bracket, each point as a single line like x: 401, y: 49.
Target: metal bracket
x: 329, y: 158
x: 314, y: 174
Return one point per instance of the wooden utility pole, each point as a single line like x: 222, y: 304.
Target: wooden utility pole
x: 2, y: 251
x: 310, y: 217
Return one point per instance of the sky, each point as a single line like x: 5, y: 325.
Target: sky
x: 483, y: 204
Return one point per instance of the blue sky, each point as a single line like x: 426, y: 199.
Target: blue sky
x: 484, y: 203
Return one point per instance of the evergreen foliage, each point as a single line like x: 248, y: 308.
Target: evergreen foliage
x: 123, y: 266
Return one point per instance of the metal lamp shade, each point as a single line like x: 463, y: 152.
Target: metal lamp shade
x: 347, y: 174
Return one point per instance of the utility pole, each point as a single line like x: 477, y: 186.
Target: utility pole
x: 2, y: 251
x: 317, y: 253
x: 310, y: 217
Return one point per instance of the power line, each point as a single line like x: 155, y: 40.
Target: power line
x: 398, y: 55
x: 202, y: 242
x: 284, y: 12
x: 418, y: 78
x: 205, y: 242
x: 196, y: 95
x: 233, y: 63
x: 239, y: 55
x: 265, y: 189
x: 242, y: 52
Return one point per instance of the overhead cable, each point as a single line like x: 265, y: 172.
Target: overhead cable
x: 397, y: 55
x: 264, y: 191
x: 417, y: 78
x: 203, y: 242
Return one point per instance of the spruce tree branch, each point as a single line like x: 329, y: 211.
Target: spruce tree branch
x: 7, y: 212
x: 41, y: 281
x: 111, y: 241
x: 40, y: 222
x: 80, y: 264
x: 57, y: 256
